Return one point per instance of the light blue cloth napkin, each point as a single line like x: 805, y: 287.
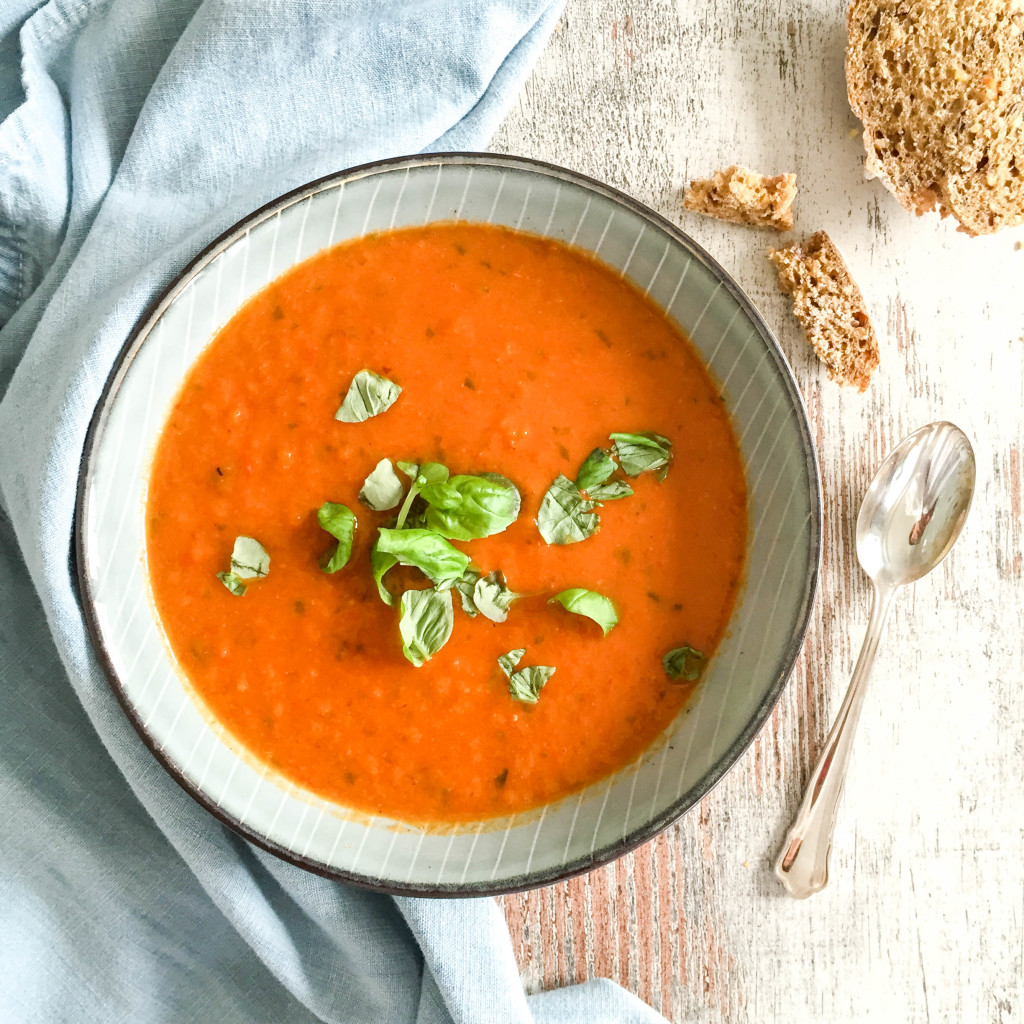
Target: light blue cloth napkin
x: 132, y: 132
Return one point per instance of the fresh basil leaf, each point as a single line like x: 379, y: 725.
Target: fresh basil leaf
x: 426, y: 551
x: 410, y: 469
x: 340, y: 523
x: 464, y: 588
x: 232, y: 582
x: 425, y: 623
x: 492, y: 597
x: 249, y: 558
x: 642, y: 453
x: 525, y: 685
x: 382, y: 489
x: 380, y: 563
x: 368, y: 395
x: 610, y: 491
x: 683, y: 663
x: 591, y: 604
x: 430, y: 473
x: 509, y: 661
x: 470, y: 507
x: 565, y: 516
x: 597, y: 468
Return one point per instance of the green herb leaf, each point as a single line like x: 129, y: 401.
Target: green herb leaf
x: 380, y: 563
x: 492, y: 597
x: 509, y: 661
x: 597, y: 468
x: 642, y: 453
x: 232, y: 582
x: 684, y: 663
x: 591, y: 604
x: 249, y: 558
x: 464, y: 588
x: 610, y: 491
x: 368, y: 395
x: 565, y: 516
x: 470, y: 507
x: 382, y: 489
x: 425, y: 550
x: 410, y: 469
x: 525, y: 685
x: 425, y: 623
x: 426, y: 475
x: 340, y: 523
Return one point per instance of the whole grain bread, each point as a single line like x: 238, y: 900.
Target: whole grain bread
x: 743, y: 196
x: 829, y: 305
x: 939, y: 87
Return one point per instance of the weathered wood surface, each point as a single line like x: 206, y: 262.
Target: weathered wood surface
x: 924, y: 917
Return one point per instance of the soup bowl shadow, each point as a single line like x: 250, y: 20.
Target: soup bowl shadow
x: 743, y: 680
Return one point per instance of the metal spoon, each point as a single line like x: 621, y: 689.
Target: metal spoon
x: 911, y: 516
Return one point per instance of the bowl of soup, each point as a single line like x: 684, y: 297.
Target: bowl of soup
x: 450, y: 525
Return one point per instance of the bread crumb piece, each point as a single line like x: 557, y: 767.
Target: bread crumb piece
x: 829, y: 305
x: 743, y: 196
x: 1018, y: 246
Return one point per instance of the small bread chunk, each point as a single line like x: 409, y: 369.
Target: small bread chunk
x: 743, y: 196
x: 827, y: 301
x: 938, y: 85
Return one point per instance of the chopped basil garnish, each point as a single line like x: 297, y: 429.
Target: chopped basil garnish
x: 524, y: 684
x: 683, y: 663
x: 368, y: 395
x: 426, y: 475
x: 410, y: 469
x: 382, y: 489
x: 425, y: 623
x: 492, y: 597
x: 597, y: 468
x: 380, y: 563
x: 610, y: 491
x: 470, y: 507
x: 232, y: 582
x: 643, y: 453
x: 565, y: 516
x: 464, y: 588
x: 591, y: 604
x: 424, y: 550
x: 340, y: 523
x: 509, y: 661
x: 249, y: 558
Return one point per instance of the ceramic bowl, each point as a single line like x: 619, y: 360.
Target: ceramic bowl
x: 746, y: 675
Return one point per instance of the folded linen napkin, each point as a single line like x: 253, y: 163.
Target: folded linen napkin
x: 132, y: 132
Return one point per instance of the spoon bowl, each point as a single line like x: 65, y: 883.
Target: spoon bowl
x: 911, y: 516
x: 916, y: 505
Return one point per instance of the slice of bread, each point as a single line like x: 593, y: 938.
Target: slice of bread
x: 939, y: 87
x: 743, y: 196
x: 827, y: 301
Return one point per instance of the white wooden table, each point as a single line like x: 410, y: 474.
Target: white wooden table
x: 924, y: 917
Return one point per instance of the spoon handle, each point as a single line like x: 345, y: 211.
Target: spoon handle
x: 802, y: 864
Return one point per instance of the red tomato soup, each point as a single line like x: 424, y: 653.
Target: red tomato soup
x: 516, y: 355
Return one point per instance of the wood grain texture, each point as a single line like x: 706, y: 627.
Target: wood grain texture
x: 924, y: 917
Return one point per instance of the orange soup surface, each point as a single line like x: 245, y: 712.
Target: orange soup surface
x: 515, y: 355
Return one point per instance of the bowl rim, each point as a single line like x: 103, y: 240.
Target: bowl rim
x: 709, y: 780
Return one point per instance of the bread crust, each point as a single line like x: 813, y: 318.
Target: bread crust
x: 939, y: 88
x: 830, y: 307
